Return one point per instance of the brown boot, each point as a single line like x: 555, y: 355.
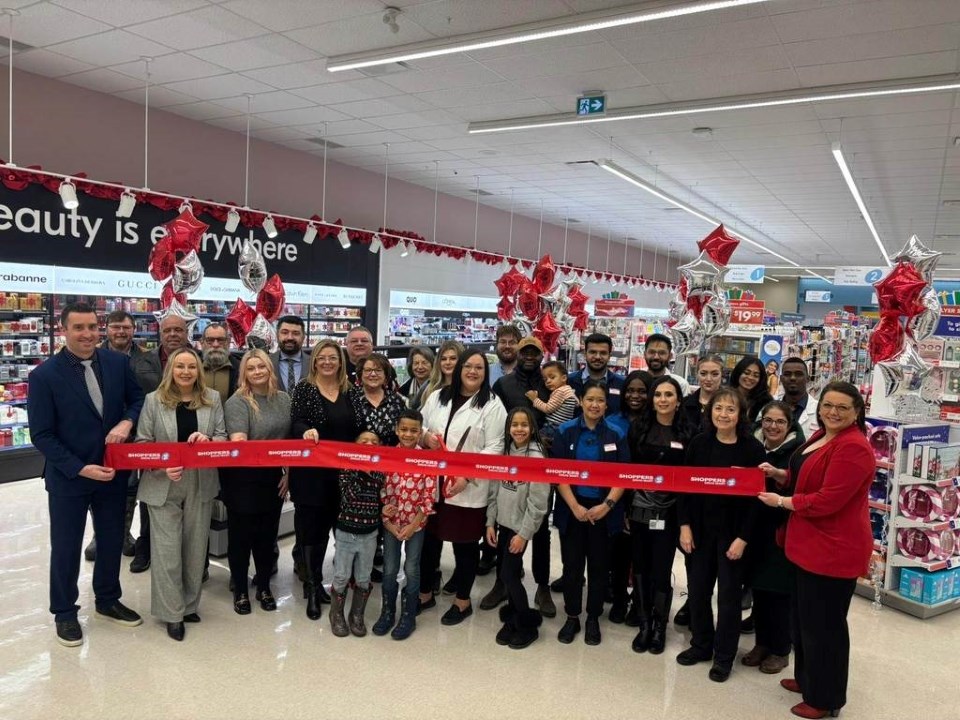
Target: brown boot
x: 338, y: 624
x: 755, y: 656
x: 357, y: 608
x: 772, y: 664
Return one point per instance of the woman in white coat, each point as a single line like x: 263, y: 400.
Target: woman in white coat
x: 468, y: 417
x: 179, y: 500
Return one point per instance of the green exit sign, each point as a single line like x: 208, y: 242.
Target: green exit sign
x: 591, y: 105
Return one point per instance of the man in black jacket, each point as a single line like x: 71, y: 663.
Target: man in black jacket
x: 512, y: 390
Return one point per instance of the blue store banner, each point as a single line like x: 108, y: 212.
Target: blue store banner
x: 771, y: 349
x: 949, y: 321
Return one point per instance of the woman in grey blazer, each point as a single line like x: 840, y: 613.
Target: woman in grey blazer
x: 179, y: 500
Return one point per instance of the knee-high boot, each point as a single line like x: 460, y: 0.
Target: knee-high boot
x: 310, y: 584
x: 661, y: 616
x: 641, y: 643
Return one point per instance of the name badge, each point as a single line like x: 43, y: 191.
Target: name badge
x: 676, y: 445
x: 614, y: 391
x: 658, y: 524
x: 610, y: 447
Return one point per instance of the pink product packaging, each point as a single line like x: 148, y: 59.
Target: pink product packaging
x: 929, y: 504
x: 942, y: 461
x: 926, y: 545
x: 883, y: 440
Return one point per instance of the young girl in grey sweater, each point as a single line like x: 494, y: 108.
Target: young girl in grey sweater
x: 515, y: 512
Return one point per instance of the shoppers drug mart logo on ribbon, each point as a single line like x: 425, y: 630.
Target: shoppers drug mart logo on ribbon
x: 641, y: 478
x: 713, y: 481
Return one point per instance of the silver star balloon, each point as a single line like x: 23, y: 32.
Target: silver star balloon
x: 688, y: 335
x: 187, y: 274
x: 253, y: 270
x: 177, y: 310
x: 905, y: 372
x: 262, y: 335
x: 703, y: 275
x: 716, y: 315
x: 924, y: 324
x: 923, y: 258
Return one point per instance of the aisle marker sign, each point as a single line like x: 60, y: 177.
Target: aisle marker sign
x: 744, y: 274
x: 592, y: 105
x: 858, y: 275
x: 746, y: 312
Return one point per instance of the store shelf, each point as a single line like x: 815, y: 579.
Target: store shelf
x: 902, y: 522
x: 894, y: 599
x: 876, y: 505
x: 8, y: 358
x: 911, y: 480
x: 899, y: 560
x: 41, y: 311
x: 10, y: 448
x: 14, y: 402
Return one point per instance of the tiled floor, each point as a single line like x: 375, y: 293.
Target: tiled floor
x: 282, y: 665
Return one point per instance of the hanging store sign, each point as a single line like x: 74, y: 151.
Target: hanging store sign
x: 858, y: 275
x: 949, y: 325
x: 744, y: 274
x: 413, y: 300
x: 616, y: 307
x: 746, y: 312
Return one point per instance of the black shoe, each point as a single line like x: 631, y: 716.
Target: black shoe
x: 746, y: 625
x: 120, y: 614
x: 557, y: 585
x: 496, y: 597
x: 692, y: 656
x: 449, y: 588
x: 69, y: 633
x: 191, y: 618
x: 570, y: 629
x: 241, y: 603
x: 431, y: 603
x: 141, y: 559
x: 523, y: 637
x: 720, y: 672
x: 323, y: 594
x: 591, y: 633
x: 455, y: 616
x: 274, y: 570
x: 206, y: 574
x: 129, y: 547
x: 632, y: 618
x: 618, y: 612
x: 487, y: 564
x: 176, y: 631
x: 266, y: 600
x: 682, y: 617
x: 90, y: 551
x: 505, y: 633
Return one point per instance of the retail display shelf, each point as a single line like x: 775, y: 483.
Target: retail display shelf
x: 38, y: 311
x: 894, y: 599
x: 13, y: 402
x: 8, y: 358
x: 9, y: 448
x: 931, y: 566
x: 14, y: 424
x: 876, y: 505
x: 21, y: 334
x: 902, y: 522
x: 911, y: 480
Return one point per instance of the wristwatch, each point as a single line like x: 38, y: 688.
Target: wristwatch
x: 780, y: 501
x: 610, y: 503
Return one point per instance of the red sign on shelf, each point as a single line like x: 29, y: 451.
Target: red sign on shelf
x: 618, y: 307
x: 746, y: 312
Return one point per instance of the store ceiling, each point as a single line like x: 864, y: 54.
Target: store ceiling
x: 770, y: 170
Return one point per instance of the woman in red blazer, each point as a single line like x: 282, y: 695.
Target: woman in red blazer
x: 829, y: 540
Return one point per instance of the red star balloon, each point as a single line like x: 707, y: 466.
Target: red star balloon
x: 240, y: 320
x: 899, y: 292
x: 719, y: 245
x: 185, y: 232
x: 548, y: 332
x: 529, y: 301
x: 270, y: 298
x: 505, y: 309
x: 162, y: 260
x: 543, y: 274
x: 167, y: 295
x: 886, y: 339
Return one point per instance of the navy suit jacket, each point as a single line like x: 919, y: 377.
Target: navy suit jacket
x: 65, y: 426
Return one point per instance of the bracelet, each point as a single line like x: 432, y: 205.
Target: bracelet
x: 780, y: 502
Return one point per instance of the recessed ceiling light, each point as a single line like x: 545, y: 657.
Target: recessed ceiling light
x: 702, y: 133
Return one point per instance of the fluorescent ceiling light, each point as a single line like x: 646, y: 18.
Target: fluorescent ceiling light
x: 940, y: 83
x: 529, y: 32
x: 848, y: 177
x: 614, y: 169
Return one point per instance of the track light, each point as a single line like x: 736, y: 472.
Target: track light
x: 404, y: 249
x: 852, y: 185
x: 68, y: 194
x: 375, y: 244
x: 310, y: 234
x: 128, y: 201
x: 233, y: 221
x: 270, y: 226
x: 344, y: 237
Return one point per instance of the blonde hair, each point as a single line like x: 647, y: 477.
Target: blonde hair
x: 244, y: 390
x: 168, y: 394
x: 435, y: 381
x: 342, y: 380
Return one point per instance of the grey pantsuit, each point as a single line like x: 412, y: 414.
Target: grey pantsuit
x: 179, y: 512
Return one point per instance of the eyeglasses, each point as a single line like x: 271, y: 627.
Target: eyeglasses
x: 778, y: 422
x: 373, y: 372
x: 830, y: 407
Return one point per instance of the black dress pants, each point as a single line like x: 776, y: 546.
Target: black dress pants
x: 466, y: 556
x: 771, y: 617
x: 708, y: 565
x: 541, y: 546
x: 619, y: 566
x: 313, y: 524
x: 653, y: 553
x: 585, y: 546
x: 511, y: 565
x: 821, y: 639
x: 256, y: 533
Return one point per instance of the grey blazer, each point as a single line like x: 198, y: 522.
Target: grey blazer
x: 159, y: 424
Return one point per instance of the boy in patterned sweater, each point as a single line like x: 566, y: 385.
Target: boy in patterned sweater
x: 356, y: 542
x: 407, y: 501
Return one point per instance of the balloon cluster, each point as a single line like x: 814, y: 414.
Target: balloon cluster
x: 252, y: 326
x: 909, y: 313
x: 174, y: 258
x: 700, y: 309
x: 552, y: 311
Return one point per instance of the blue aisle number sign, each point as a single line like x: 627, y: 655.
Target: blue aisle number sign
x: 591, y: 105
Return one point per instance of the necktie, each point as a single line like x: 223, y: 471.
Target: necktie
x: 291, y: 376
x: 93, y: 387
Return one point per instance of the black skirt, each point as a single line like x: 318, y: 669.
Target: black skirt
x: 251, y: 490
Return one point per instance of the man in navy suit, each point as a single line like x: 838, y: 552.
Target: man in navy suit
x: 80, y: 399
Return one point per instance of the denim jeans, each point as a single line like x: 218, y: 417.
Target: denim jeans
x: 353, y: 555
x: 411, y: 566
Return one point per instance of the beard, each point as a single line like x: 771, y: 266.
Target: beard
x: 507, y: 357
x: 215, y: 358
x: 656, y: 365
x: 290, y: 347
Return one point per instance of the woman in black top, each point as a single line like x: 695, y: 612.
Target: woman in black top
x: 749, y: 377
x: 321, y: 409
x: 658, y: 437
x: 709, y: 379
x: 769, y: 572
x: 713, y: 531
x: 378, y: 401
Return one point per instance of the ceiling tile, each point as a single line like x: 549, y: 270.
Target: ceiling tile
x: 103, y: 80
x: 371, y: 109
x: 198, y: 28
x: 366, y: 32
x: 44, y: 62
x: 280, y: 15
x: 304, y: 116
x: 124, y: 13
x: 220, y: 86
x: 43, y: 24
x: 110, y: 48
x: 879, y: 69
x: 255, y: 53
x: 171, y: 68
x: 266, y: 102
x: 341, y: 92
x: 457, y: 17
x: 201, y: 111
x: 159, y: 97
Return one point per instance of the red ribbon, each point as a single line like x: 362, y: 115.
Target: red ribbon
x: 350, y: 456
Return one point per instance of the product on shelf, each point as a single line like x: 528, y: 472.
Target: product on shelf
x: 941, y: 461
x: 884, y: 440
x: 928, y: 503
x: 930, y: 587
x: 925, y: 544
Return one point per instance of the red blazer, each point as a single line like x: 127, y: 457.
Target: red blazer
x: 829, y: 529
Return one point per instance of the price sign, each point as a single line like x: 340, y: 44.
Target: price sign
x: 746, y: 312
